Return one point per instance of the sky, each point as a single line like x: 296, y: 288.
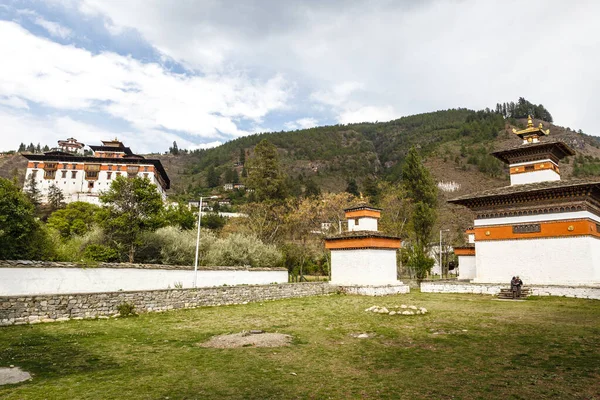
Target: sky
x: 151, y: 72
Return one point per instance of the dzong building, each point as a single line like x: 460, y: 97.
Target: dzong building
x: 83, y: 176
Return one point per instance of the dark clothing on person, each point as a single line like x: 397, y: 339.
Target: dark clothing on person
x: 515, y: 286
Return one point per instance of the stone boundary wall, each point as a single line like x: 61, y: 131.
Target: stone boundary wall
x: 584, y: 292
x: 18, y: 310
x: 28, y: 278
x: 61, y: 264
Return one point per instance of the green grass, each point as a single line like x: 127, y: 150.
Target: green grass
x: 468, y: 347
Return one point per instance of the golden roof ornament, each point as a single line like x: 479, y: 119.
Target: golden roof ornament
x: 531, y: 134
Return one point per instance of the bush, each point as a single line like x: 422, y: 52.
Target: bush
x: 100, y: 253
x: 174, y: 246
x: 239, y: 249
x: 126, y: 310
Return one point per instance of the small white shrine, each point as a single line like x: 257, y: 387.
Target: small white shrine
x: 363, y: 260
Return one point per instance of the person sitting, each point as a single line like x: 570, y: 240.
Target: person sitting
x: 518, y: 283
x: 513, y: 286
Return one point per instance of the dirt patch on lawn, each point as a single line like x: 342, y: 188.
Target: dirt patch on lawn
x: 10, y: 376
x: 247, y: 339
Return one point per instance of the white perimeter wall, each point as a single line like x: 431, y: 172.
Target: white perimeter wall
x: 558, y: 261
x: 364, y: 224
x: 363, y: 267
x: 466, y: 267
x: 32, y: 281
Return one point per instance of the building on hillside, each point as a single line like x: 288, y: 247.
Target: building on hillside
x: 543, y: 229
x: 83, y: 178
x: 363, y: 259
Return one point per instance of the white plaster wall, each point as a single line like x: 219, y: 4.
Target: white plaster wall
x: 32, y: 281
x: 584, y: 292
x: 364, y: 224
x: 534, y: 176
x: 537, y: 218
x: 471, y: 238
x: 466, y: 267
x: 558, y: 261
x: 363, y: 267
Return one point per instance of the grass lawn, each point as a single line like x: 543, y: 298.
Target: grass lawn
x: 467, y: 347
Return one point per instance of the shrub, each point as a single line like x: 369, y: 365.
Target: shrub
x: 101, y: 253
x: 239, y: 249
x: 174, y: 246
x: 126, y: 310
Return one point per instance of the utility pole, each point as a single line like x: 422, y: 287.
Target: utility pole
x: 197, y: 242
x: 440, y: 259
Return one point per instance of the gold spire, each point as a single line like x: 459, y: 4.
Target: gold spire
x: 531, y: 133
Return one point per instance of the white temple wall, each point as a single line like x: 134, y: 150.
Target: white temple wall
x: 364, y: 224
x: 534, y: 176
x: 466, y: 267
x: 555, y: 261
x: 34, y: 281
x: 363, y: 267
x: 537, y: 218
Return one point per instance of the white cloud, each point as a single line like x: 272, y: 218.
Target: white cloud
x: 146, y: 95
x: 14, y: 102
x: 367, y: 114
x: 18, y: 126
x: 302, y: 123
x: 209, y: 145
x: 411, y: 56
x: 53, y: 28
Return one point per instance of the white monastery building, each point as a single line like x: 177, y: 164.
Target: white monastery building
x: 364, y: 259
x: 543, y: 229
x: 83, y: 177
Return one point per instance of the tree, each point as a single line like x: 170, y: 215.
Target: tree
x: 56, y: 197
x: 242, y: 157
x: 180, y: 216
x: 133, y: 207
x: 422, y: 191
x: 311, y: 189
x: 46, y: 148
x: 76, y: 218
x: 22, y: 148
x: 38, y: 148
x: 32, y: 191
x: 213, y: 178
x: 352, y: 187
x: 174, y: 150
x: 21, y: 235
x: 265, y: 175
x: 371, y: 190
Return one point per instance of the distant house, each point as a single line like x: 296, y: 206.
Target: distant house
x: 228, y: 186
x: 239, y: 186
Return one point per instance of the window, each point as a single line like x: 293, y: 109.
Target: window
x: 132, y: 170
x: 146, y: 175
x: 36, y: 165
x: 34, y: 173
x: 529, y: 168
x: 64, y: 174
x: 73, y: 174
x: 91, y: 171
x: 108, y: 175
x: 356, y: 221
x: 90, y: 185
x: 110, y: 169
x: 146, y: 169
x: 50, y: 174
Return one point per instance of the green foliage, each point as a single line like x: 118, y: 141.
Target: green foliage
x: 133, y: 205
x: 586, y: 166
x: 213, y: 221
x: 56, y: 198
x: 126, y: 310
x: 213, y: 179
x: 523, y: 108
x: 100, y: 253
x: 174, y: 149
x: 21, y: 235
x: 76, y: 218
x: 311, y: 189
x: 173, y: 246
x: 33, y: 191
x: 265, y: 175
x: 179, y: 215
x: 418, y: 262
x: 238, y: 249
x: 352, y: 187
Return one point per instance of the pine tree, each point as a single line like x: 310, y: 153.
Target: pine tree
x: 31, y: 148
x: 421, y: 189
x: 38, y: 148
x: 46, y: 148
x: 32, y: 191
x: 22, y: 148
x: 242, y: 156
x: 56, y: 197
x: 174, y: 150
x: 311, y: 189
x: 352, y: 187
x: 265, y: 174
x: 212, y: 177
